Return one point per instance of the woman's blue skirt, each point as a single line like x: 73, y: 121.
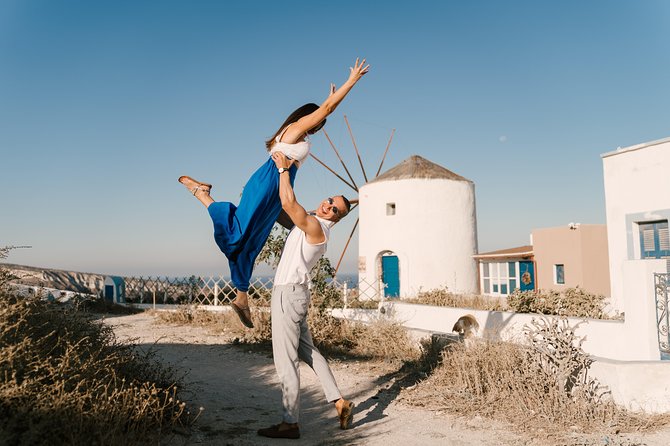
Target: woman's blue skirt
x: 241, y: 231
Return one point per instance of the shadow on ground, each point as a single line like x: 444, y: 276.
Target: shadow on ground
x: 237, y: 388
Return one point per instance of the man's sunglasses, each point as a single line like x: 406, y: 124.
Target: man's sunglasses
x: 335, y: 210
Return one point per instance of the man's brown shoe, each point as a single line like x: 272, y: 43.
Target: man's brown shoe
x: 292, y: 432
x: 347, y: 415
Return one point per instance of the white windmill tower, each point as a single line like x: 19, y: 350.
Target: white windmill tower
x: 418, y: 227
x: 418, y: 230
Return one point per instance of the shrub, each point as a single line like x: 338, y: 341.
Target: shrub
x: 5, y: 275
x: 225, y: 322
x: 66, y: 380
x: 572, y: 302
x: 381, y: 340
x: 543, y: 386
x: 444, y: 298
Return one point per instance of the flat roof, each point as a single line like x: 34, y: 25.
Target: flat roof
x: 635, y: 147
x: 519, y: 251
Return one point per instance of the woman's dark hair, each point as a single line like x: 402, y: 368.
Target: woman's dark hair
x: 293, y: 117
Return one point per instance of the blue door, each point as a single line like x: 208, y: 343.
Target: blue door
x: 527, y: 276
x: 390, y: 276
x: 109, y: 293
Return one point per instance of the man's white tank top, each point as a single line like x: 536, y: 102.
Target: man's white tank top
x: 300, y: 256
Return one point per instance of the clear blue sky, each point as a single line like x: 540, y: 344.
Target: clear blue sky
x: 104, y: 104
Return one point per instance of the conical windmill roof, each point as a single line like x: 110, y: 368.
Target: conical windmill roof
x: 416, y: 167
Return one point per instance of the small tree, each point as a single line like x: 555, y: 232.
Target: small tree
x: 6, y: 275
x: 324, y: 292
x: 271, y: 252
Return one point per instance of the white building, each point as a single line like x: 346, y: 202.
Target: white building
x: 418, y: 230
x: 637, y: 197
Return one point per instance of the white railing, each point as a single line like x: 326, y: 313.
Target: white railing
x: 213, y: 290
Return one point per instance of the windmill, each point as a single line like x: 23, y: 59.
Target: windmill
x: 351, y: 183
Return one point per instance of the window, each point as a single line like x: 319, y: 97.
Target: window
x: 654, y: 240
x: 512, y: 268
x: 499, y: 277
x: 559, y: 274
x: 390, y: 208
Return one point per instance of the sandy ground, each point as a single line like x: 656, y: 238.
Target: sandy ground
x: 239, y: 392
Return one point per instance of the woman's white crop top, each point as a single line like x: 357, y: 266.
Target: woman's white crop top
x: 297, y: 151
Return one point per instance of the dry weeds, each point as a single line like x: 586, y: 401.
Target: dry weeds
x: 574, y: 302
x: 382, y: 340
x: 66, y: 380
x: 442, y: 297
x: 543, y: 387
x: 222, y: 322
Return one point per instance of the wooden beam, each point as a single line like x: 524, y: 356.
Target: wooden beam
x: 340, y: 158
x: 345, y: 248
x: 333, y: 172
x: 385, y: 152
x: 356, y: 148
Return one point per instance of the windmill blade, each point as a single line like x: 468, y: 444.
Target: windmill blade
x: 337, y: 267
x: 385, y: 152
x: 333, y: 172
x: 340, y: 158
x: 356, y: 148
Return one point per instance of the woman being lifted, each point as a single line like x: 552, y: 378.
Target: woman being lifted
x: 241, y: 231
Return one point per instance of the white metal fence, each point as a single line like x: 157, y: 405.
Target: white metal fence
x: 196, y: 290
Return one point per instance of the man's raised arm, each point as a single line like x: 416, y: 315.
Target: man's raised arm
x: 307, y: 223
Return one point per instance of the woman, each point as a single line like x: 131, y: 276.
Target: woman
x: 241, y: 231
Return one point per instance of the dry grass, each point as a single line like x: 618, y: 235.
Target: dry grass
x: 574, y: 302
x: 381, y: 340
x: 66, y: 380
x: 444, y: 298
x: 222, y: 322
x: 544, y: 387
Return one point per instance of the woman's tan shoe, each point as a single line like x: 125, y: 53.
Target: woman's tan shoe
x: 193, y: 185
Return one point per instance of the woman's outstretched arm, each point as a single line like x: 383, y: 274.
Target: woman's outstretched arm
x: 297, y: 130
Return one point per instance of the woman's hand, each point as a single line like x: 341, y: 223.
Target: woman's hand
x: 358, y: 70
x: 281, y: 161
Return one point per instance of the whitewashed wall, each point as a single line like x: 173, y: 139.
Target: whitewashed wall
x: 626, y: 353
x: 433, y: 233
x: 637, y: 188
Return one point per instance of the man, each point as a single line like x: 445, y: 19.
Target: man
x: 291, y: 339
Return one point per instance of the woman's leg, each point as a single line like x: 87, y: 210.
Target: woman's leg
x: 199, y: 190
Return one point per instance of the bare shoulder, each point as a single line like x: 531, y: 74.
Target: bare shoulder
x: 313, y: 231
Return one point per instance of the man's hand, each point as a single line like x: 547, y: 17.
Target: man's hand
x: 281, y: 161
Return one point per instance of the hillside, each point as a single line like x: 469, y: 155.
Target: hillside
x: 88, y: 283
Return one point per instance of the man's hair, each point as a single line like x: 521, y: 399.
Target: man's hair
x: 346, y: 202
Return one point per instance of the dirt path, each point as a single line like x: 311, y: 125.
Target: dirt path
x: 239, y: 392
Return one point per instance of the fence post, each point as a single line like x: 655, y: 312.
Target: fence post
x: 154, y: 293
x: 216, y: 293
x: 380, y: 287
x: 344, y: 291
